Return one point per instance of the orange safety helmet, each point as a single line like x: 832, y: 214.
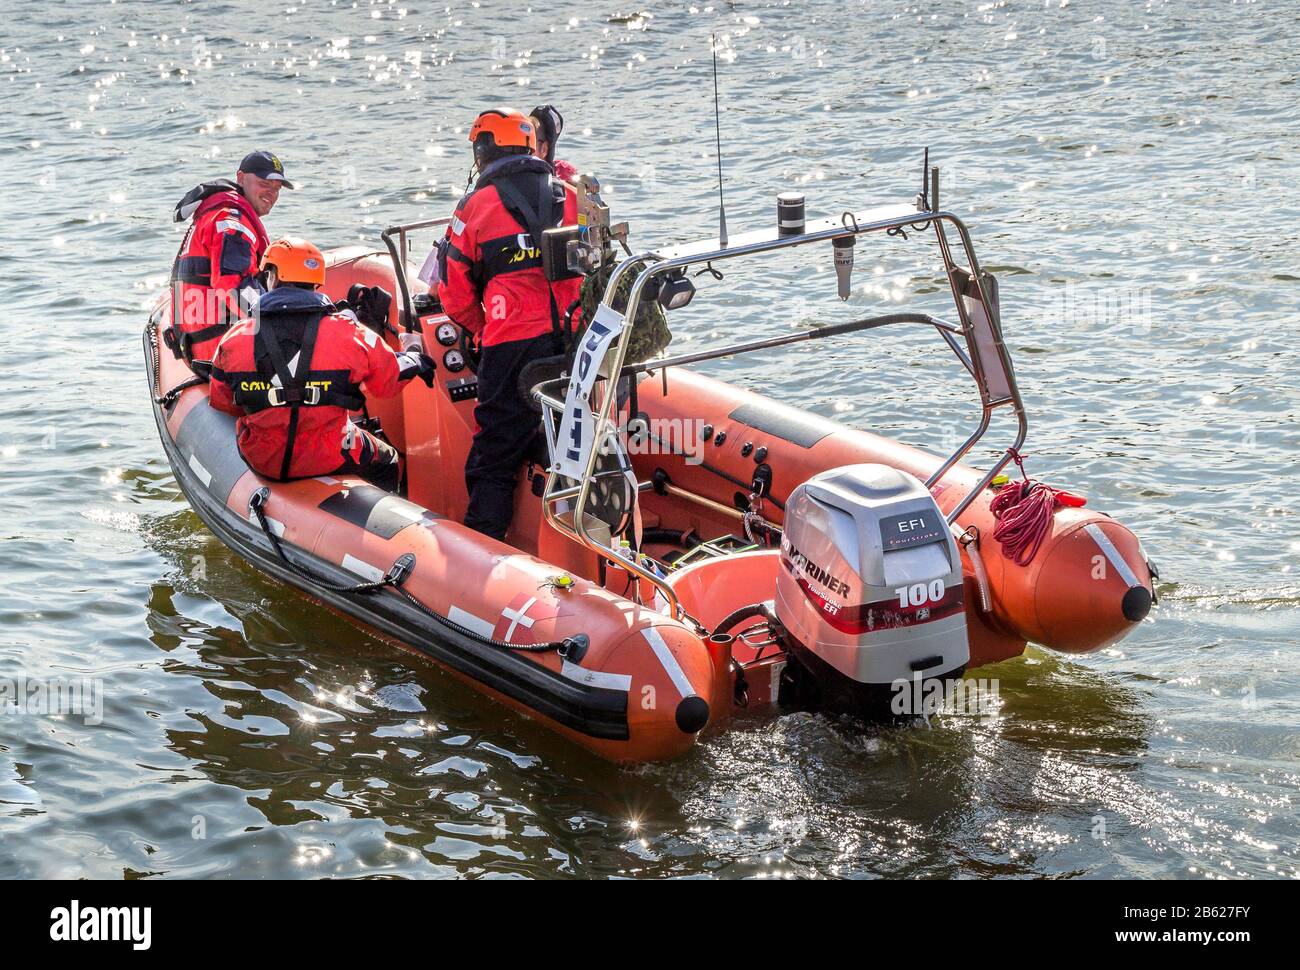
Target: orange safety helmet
x: 508, y: 128
x: 295, y: 261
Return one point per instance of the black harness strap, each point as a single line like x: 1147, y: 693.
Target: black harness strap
x: 187, y: 340
x: 536, y: 223
x: 306, y: 387
x: 300, y: 386
x: 291, y: 386
x: 172, y: 396
x: 291, y: 437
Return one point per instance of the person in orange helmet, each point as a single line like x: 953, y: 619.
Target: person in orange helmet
x: 491, y: 283
x: 295, y: 369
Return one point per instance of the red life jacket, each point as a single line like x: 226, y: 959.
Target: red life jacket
x: 293, y: 417
x: 215, y: 277
x: 491, y: 280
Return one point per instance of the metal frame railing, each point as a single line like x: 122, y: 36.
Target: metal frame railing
x: 397, y: 250
x: 891, y: 220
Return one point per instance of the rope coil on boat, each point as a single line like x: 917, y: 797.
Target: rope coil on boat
x: 1023, y: 512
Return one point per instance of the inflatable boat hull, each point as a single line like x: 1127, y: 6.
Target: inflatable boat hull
x: 645, y: 685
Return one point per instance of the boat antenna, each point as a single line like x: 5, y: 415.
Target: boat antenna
x: 717, y: 131
x: 923, y: 200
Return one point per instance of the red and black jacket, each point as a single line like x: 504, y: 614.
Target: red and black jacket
x: 492, y: 281
x: 215, y: 277
x: 293, y: 418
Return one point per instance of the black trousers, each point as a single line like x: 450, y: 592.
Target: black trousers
x: 508, y: 430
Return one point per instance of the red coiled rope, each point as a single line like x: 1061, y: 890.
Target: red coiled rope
x: 1023, y: 511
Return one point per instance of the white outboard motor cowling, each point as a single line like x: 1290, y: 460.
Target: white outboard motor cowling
x: 869, y: 591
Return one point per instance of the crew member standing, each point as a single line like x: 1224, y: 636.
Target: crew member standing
x: 215, y: 276
x: 548, y: 121
x: 294, y: 371
x: 492, y: 284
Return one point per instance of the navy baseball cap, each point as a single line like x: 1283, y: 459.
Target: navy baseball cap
x: 265, y: 166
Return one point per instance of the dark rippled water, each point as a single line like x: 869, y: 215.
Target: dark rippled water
x: 1129, y: 170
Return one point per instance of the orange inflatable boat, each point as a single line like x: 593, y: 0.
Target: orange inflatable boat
x: 684, y: 548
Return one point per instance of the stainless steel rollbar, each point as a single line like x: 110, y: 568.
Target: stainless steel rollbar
x: 397, y: 250
x: 985, y: 358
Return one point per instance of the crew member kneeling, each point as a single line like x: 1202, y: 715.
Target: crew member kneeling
x: 293, y: 371
x: 492, y: 284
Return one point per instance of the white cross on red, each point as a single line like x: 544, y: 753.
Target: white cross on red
x: 519, y: 615
x: 516, y: 618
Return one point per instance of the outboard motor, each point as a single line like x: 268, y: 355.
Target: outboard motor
x: 869, y: 593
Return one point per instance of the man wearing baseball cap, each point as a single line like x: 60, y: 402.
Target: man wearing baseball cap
x: 215, y: 277
x: 261, y: 176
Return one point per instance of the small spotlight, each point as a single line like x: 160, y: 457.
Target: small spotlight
x: 676, y: 291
